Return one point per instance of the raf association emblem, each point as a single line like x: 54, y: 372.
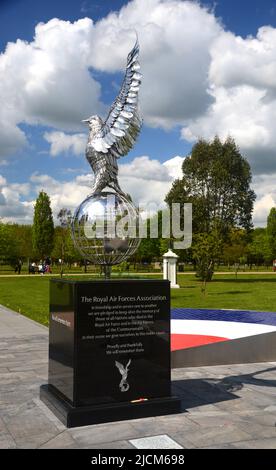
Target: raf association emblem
x: 124, y: 385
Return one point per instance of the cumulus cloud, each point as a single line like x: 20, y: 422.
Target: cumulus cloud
x: 175, y: 38
x: 62, y: 143
x: 264, y: 186
x: 49, y: 81
x: 242, y: 84
x: 12, y: 208
x: 262, y: 208
x: 174, y: 166
x: 148, y: 181
x: 195, y: 74
x: 3, y: 181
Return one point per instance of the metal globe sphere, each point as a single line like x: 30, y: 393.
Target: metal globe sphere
x: 105, y: 227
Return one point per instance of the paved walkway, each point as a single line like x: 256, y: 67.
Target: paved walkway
x: 226, y: 406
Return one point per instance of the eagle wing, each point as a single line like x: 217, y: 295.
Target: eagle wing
x: 128, y: 364
x: 120, y: 367
x: 123, y: 123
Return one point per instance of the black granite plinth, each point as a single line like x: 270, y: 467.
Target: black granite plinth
x: 109, y: 350
x: 94, y: 414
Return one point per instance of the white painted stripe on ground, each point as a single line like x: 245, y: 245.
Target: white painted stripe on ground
x: 223, y: 329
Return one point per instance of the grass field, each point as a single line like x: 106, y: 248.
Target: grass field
x: 30, y: 295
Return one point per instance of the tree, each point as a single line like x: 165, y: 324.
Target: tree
x: 271, y: 231
x: 9, y: 252
x: 43, y: 226
x: 62, y: 238
x: 259, y: 250
x: 235, y: 249
x: 206, y: 250
x: 23, y: 236
x: 149, y: 248
x: 216, y: 180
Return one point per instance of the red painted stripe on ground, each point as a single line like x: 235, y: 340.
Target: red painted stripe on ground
x: 190, y: 341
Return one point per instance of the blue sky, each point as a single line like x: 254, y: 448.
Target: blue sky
x: 17, y: 20
x: 19, y: 17
x: 184, y: 96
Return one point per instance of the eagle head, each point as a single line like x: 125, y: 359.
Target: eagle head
x: 95, y: 123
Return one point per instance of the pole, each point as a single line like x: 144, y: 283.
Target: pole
x: 107, y: 271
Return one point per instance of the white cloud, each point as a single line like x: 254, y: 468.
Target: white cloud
x: 148, y: 181
x: 48, y: 81
x: 174, y: 167
x: 262, y: 208
x: 3, y: 181
x: 144, y: 168
x: 194, y: 74
x: 242, y: 84
x: 175, y: 39
x: 62, y: 143
x: 12, y: 209
x: 264, y: 186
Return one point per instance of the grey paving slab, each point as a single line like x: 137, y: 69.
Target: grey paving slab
x: 231, y: 406
x: 167, y: 424
x: 256, y: 444
x: 218, y: 435
x: 6, y: 441
x: 111, y: 445
x: 104, y: 433
x: 13, y: 324
x: 62, y: 440
x: 257, y: 431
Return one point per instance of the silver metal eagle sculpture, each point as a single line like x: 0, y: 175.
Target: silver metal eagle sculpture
x: 124, y: 385
x: 113, y: 138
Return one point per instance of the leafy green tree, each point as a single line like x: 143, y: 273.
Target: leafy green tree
x: 259, y: 249
x: 206, y: 250
x: 9, y: 252
x: 23, y: 237
x: 271, y: 231
x: 216, y: 180
x: 64, y: 248
x: 235, y: 248
x: 43, y: 226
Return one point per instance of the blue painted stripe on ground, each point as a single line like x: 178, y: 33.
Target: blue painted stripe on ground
x: 242, y: 316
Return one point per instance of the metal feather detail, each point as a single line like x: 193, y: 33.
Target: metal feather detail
x: 113, y: 138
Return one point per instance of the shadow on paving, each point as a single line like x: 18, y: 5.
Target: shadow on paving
x: 236, y: 382
x: 200, y: 392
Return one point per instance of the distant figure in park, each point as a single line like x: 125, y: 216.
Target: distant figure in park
x: 48, y: 269
x: 274, y: 265
x: 41, y: 267
x: 47, y: 264
x: 32, y: 268
x: 18, y: 266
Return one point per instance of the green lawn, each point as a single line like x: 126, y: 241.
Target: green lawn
x: 30, y: 295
